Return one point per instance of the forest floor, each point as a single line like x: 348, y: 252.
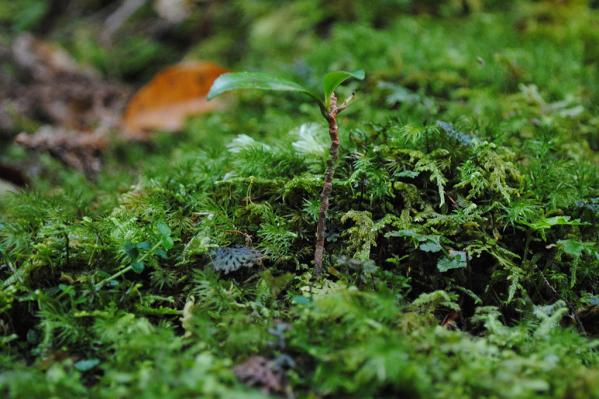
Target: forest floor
x: 462, y: 255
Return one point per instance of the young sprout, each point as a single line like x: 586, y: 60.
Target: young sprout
x: 330, y: 109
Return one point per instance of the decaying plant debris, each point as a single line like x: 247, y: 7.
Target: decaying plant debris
x: 78, y: 150
x: 461, y: 244
x: 50, y: 86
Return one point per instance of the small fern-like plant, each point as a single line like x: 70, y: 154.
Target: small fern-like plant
x: 330, y: 109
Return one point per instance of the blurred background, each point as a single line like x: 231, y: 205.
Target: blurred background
x: 68, y: 68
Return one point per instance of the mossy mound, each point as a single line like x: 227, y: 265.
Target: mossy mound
x: 462, y: 257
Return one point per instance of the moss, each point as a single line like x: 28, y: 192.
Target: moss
x: 461, y: 251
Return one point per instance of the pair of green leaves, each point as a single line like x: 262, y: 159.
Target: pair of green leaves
x: 265, y: 81
x: 425, y: 242
x: 137, y: 253
x: 432, y: 243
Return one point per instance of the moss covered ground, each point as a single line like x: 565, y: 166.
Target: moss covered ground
x: 462, y: 257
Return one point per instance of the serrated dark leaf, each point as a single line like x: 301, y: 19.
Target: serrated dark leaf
x: 230, y: 259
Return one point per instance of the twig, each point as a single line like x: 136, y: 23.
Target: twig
x: 119, y: 17
x: 568, y: 304
x: 328, y: 184
x: 248, y: 238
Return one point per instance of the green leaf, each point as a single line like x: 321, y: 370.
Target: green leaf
x: 407, y: 173
x: 425, y: 242
x: 430, y: 246
x: 546, y: 223
x: 137, y: 266
x: 165, y: 235
x: 332, y: 80
x: 131, y: 250
x: 454, y: 260
x: 86, y: 364
x: 258, y: 81
x: 160, y: 252
x: 301, y: 300
x: 593, y: 300
x: 575, y: 248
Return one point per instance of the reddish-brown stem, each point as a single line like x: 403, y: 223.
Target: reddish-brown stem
x: 328, y: 184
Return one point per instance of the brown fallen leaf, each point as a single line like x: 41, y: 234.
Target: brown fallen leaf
x: 171, y: 96
x: 259, y: 372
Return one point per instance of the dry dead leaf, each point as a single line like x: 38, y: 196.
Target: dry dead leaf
x: 259, y: 372
x: 78, y: 150
x: 173, y: 94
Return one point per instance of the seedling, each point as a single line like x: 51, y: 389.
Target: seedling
x: 329, y: 108
x: 136, y: 254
